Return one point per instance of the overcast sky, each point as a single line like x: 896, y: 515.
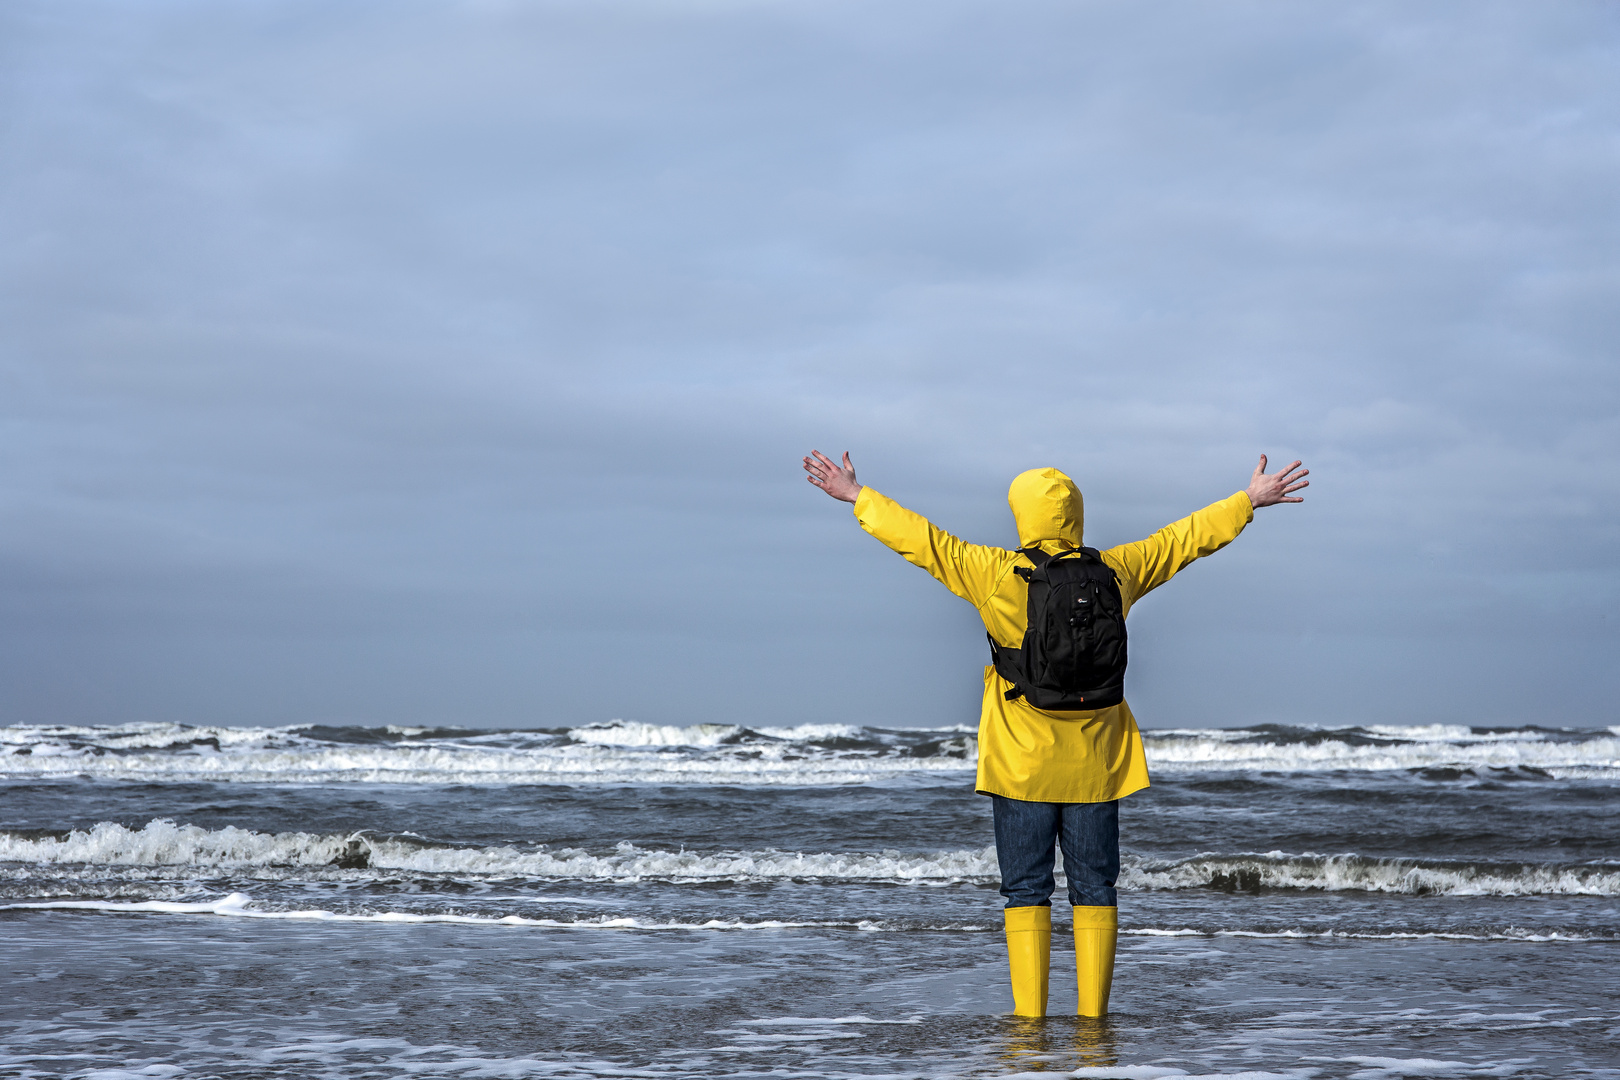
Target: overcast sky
x: 452, y: 362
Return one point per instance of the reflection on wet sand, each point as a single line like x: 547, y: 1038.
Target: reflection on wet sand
x: 1057, y: 1043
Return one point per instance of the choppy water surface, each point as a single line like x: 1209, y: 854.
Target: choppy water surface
x: 633, y: 900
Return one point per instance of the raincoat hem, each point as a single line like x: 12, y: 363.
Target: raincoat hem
x: 981, y: 790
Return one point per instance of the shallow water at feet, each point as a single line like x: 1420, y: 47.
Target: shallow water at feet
x: 625, y: 899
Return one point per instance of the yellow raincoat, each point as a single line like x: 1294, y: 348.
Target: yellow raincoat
x: 1024, y: 752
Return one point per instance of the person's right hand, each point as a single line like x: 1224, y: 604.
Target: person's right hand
x: 1266, y: 490
x: 837, y: 481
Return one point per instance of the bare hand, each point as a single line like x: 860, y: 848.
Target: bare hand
x: 1265, y: 490
x: 837, y: 481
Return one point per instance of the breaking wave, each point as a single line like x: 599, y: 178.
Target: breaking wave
x: 625, y: 752
x: 163, y: 844
x: 163, y: 849
x: 1467, y: 751
x: 1356, y: 873
x: 614, y: 753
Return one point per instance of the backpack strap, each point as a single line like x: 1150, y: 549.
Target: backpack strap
x: 1007, y: 661
x: 1005, y: 666
x: 1041, y: 558
x: 1035, y: 555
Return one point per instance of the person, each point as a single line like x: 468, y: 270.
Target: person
x: 1054, y: 778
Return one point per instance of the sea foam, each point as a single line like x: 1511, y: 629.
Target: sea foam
x: 239, y: 905
x: 619, y: 752
x: 628, y: 752
x: 243, y: 905
x: 1382, y: 748
x: 1355, y: 873
x: 188, y: 850
x: 163, y: 843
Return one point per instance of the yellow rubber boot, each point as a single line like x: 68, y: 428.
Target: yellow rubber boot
x: 1096, y: 929
x: 1029, y: 957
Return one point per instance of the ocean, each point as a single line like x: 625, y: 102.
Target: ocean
x: 631, y: 900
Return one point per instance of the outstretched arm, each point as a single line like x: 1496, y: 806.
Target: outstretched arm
x: 971, y: 571
x: 1263, y: 490
x: 836, y: 480
x: 1147, y: 564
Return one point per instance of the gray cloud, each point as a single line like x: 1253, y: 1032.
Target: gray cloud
x: 451, y: 363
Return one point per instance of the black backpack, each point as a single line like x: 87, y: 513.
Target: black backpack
x: 1073, y: 658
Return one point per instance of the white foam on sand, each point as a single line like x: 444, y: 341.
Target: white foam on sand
x: 811, y: 1021
x: 241, y: 905
x: 1155, y: 1072
x: 1390, y: 1068
x: 1510, y: 934
x: 237, y: 905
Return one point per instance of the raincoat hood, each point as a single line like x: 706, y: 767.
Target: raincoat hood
x: 1047, y: 506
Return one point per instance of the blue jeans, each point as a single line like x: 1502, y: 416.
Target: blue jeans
x: 1026, y: 833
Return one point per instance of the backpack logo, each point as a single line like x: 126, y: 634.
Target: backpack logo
x: 1073, y: 655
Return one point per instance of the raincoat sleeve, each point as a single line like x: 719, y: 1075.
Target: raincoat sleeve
x: 1147, y: 564
x: 971, y: 571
